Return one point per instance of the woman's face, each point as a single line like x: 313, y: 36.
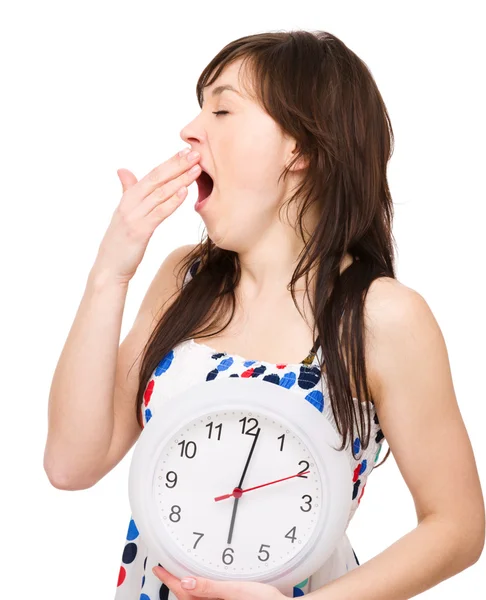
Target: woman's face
x: 244, y: 151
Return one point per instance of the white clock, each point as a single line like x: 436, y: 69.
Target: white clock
x: 240, y: 480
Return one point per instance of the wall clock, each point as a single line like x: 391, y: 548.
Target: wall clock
x: 240, y: 479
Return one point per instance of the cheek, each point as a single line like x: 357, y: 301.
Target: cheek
x: 254, y: 141
x: 254, y: 170
x: 251, y: 160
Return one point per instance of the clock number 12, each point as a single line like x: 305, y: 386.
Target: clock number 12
x: 249, y: 431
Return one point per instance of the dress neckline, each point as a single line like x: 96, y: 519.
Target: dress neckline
x: 309, y: 360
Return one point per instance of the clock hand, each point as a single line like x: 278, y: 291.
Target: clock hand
x: 232, y: 525
x: 235, y: 507
x: 237, y: 492
x: 249, y: 457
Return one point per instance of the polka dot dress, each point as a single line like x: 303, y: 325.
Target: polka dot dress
x: 191, y: 362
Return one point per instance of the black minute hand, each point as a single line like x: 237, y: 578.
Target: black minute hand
x: 235, y: 505
x: 249, y: 458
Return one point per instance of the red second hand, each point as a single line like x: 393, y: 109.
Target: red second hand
x: 237, y: 492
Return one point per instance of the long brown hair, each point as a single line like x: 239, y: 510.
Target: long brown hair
x: 323, y: 95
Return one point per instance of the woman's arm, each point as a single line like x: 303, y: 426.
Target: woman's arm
x: 412, y: 386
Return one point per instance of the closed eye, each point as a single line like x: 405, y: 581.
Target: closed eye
x: 220, y: 112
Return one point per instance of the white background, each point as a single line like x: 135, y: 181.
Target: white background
x: 91, y: 87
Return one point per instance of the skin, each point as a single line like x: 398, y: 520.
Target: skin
x: 407, y: 361
x: 411, y: 382
x: 245, y: 151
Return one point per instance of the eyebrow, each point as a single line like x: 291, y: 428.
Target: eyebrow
x: 217, y: 91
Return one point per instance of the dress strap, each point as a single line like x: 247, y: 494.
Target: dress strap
x: 192, y: 270
x: 309, y: 359
x: 316, y: 349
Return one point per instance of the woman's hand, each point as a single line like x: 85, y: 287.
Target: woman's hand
x: 217, y: 590
x: 145, y: 204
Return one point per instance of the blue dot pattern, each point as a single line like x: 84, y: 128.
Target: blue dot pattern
x: 135, y: 580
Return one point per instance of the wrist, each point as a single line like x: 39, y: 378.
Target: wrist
x: 101, y: 278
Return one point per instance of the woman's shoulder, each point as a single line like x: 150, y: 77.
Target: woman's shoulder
x: 387, y: 300
x: 392, y: 312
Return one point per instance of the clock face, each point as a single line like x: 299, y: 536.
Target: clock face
x: 237, y: 491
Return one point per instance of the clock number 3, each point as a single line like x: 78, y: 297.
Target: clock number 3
x: 307, y: 503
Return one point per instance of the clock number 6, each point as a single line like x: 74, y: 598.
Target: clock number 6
x: 229, y: 556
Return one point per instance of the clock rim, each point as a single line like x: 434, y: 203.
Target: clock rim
x: 277, y: 403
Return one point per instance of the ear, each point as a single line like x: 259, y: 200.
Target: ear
x: 301, y: 163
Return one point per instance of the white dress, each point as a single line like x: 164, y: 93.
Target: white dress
x: 190, y: 363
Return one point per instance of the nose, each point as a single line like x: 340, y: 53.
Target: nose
x: 192, y: 133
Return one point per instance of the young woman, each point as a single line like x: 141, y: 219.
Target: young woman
x: 296, y: 274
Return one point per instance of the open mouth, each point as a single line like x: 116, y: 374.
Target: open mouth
x: 205, y: 185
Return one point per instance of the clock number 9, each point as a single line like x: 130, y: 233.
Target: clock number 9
x: 174, y: 480
x: 249, y: 431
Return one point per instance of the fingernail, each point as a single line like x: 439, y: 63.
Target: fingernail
x: 193, y: 155
x: 188, y: 583
x: 184, y: 152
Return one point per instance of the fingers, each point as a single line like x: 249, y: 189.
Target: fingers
x: 172, y: 582
x: 165, y: 172
x: 164, y: 200
x: 169, y: 190
x: 127, y: 179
